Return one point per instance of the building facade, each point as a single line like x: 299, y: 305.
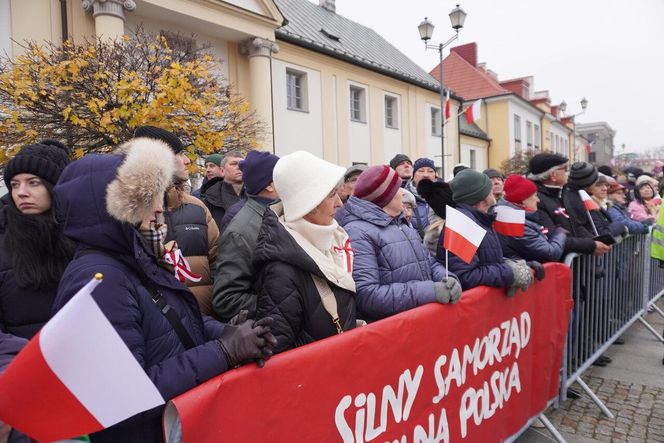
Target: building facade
x: 600, y: 138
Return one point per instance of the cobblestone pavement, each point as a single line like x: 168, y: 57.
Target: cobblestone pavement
x: 638, y: 408
x: 632, y: 387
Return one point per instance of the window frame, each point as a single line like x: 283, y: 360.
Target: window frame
x: 291, y: 100
x: 357, y: 105
x: 436, y: 127
x: 391, y: 104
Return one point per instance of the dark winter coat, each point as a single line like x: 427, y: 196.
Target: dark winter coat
x: 287, y: 293
x: 581, y: 224
x: 127, y: 265
x: 420, y: 219
x: 535, y: 243
x: 618, y: 212
x: 552, y: 213
x: 234, y: 279
x: 486, y: 267
x: 191, y: 225
x: 219, y: 196
x: 393, y: 271
x: 10, y: 345
x: 23, y: 311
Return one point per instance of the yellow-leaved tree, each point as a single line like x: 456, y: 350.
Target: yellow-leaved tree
x: 92, y: 95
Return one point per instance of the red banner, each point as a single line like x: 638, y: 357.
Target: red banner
x: 477, y: 370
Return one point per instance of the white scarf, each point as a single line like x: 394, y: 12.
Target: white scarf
x: 328, y: 246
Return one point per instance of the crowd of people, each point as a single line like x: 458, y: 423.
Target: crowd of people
x: 274, y: 253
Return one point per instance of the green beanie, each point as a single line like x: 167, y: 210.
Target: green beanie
x: 470, y: 187
x: 214, y: 158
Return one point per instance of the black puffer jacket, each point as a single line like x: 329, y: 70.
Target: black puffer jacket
x: 219, y: 196
x: 23, y: 311
x: 287, y: 293
x: 581, y: 224
x: 552, y: 213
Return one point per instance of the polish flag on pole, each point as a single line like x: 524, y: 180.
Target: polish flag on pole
x: 510, y: 222
x: 589, y: 147
x: 448, y: 112
x: 588, y: 202
x: 462, y: 235
x: 473, y: 112
x: 75, y: 377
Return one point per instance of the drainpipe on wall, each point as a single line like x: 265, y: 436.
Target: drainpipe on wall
x: 63, y: 20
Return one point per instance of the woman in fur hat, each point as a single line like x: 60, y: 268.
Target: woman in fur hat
x: 35, y: 251
x: 303, y: 258
x: 116, y: 222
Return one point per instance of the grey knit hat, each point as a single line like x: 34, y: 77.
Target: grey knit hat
x: 470, y: 187
x: 582, y: 175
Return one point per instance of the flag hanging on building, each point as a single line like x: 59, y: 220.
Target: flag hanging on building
x: 75, y: 377
x: 589, y: 147
x: 510, y: 222
x: 473, y: 112
x: 462, y: 235
x: 448, y: 112
x: 588, y: 202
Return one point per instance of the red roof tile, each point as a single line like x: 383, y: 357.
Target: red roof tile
x: 467, y: 80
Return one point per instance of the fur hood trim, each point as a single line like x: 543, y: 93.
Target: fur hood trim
x: 141, y: 180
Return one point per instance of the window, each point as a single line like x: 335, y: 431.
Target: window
x: 357, y: 104
x: 435, y: 122
x: 517, y: 132
x: 296, y: 90
x: 538, y: 137
x: 391, y: 112
x: 473, y: 159
x: 529, y: 134
x: 182, y: 48
x: 592, y: 157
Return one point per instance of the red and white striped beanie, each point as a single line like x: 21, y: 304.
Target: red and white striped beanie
x: 377, y: 184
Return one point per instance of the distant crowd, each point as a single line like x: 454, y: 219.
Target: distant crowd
x: 273, y: 253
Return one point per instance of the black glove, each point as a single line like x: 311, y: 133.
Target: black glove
x: 538, y: 268
x: 247, y: 341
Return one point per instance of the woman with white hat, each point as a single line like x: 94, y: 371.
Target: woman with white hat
x: 303, y: 259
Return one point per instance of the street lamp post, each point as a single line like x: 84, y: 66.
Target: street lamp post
x: 563, y: 107
x: 457, y: 18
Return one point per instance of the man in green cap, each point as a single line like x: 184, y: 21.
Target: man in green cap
x: 213, y: 166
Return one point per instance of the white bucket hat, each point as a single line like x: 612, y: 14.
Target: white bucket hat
x: 303, y: 181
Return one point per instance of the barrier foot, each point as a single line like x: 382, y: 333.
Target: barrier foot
x: 595, y: 398
x: 651, y: 329
x: 656, y: 308
x: 552, y: 429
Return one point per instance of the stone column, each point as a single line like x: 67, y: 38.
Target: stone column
x: 109, y: 16
x: 260, y: 52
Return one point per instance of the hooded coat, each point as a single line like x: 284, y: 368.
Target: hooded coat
x: 287, y: 293
x: 535, y: 244
x: 118, y: 251
x: 486, y: 267
x: 393, y: 271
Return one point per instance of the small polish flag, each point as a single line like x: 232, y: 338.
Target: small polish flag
x: 509, y: 221
x: 589, y: 147
x: 473, y: 112
x: 448, y: 112
x: 75, y: 377
x: 588, y: 202
x: 462, y: 235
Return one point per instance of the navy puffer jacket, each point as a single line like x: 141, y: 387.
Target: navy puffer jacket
x: 393, y: 271
x: 535, y: 244
x: 118, y: 251
x: 486, y: 267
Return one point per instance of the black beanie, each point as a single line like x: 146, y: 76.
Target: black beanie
x: 545, y: 161
x: 582, y: 175
x: 167, y: 137
x: 399, y: 158
x: 606, y: 170
x: 45, y: 159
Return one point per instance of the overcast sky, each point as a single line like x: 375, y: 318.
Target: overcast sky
x: 610, y: 51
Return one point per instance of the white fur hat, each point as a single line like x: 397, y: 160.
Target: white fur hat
x: 303, y: 181
x: 141, y: 179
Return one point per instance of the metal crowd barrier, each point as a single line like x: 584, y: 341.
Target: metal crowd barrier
x: 610, y: 293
